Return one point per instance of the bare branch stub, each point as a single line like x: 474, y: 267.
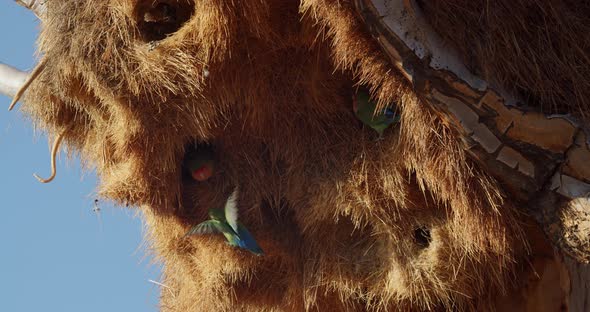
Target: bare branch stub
x: 11, y: 79
x: 36, y: 6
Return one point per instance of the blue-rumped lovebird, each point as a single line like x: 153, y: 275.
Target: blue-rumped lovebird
x: 365, y: 109
x: 226, y: 222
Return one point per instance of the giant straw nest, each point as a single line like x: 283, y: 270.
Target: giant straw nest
x: 346, y: 222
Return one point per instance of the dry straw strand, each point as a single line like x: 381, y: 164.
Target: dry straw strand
x: 54, y: 150
x: 38, y: 69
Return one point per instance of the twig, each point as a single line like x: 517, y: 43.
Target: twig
x: 54, y: 150
x: 27, y: 83
x: 165, y: 286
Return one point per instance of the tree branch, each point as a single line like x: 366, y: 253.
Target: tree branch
x: 541, y: 160
x: 11, y: 80
x: 37, y: 6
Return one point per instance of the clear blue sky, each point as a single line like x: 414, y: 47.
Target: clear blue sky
x: 55, y: 254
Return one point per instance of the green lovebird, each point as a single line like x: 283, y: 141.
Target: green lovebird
x: 364, y: 108
x: 200, y: 163
x: 226, y: 222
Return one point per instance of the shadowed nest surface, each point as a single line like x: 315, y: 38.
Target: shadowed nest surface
x: 347, y: 223
x: 535, y: 49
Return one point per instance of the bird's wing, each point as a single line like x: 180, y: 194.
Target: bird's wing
x: 206, y: 227
x: 231, y: 210
x: 366, y: 112
x: 362, y: 99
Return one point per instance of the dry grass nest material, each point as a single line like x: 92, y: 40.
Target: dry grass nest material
x: 408, y: 223
x: 539, y: 50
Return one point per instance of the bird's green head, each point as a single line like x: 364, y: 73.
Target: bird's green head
x: 216, y: 214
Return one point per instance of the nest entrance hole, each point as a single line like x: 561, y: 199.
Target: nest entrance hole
x: 422, y: 236
x: 158, y: 19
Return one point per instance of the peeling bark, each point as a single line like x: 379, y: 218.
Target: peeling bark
x: 37, y: 6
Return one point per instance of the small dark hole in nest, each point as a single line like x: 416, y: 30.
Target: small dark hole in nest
x: 422, y: 237
x: 157, y: 20
x: 420, y: 4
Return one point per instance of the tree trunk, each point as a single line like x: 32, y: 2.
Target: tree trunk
x: 542, y: 161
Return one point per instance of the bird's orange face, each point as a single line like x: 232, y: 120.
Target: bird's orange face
x: 202, y: 173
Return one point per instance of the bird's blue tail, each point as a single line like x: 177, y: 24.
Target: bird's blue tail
x: 247, y: 241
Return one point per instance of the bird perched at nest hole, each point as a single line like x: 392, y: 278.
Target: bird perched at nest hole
x: 200, y: 163
x: 160, y: 21
x: 364, y: 109
x: 161, y: 13
x: 226, y: 222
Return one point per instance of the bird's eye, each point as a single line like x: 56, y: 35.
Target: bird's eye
x: 388, y: 112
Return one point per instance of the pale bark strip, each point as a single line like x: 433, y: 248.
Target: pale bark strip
x: 537, y: 158
x: 36, y: 6
x: 11, y: 79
